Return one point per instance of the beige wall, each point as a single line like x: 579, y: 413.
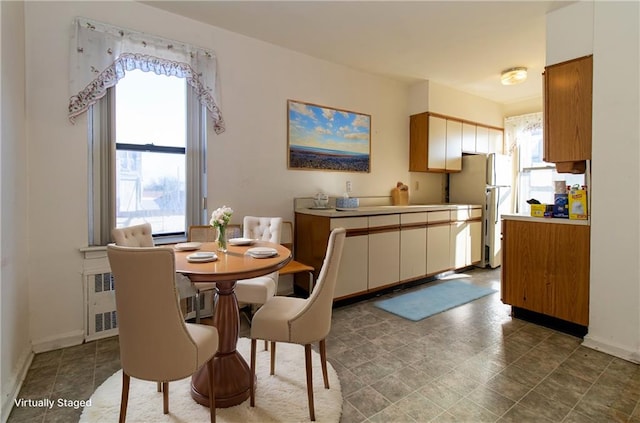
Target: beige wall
x: 247, y: 163
x: 15, y: 350
x: 609, y: 31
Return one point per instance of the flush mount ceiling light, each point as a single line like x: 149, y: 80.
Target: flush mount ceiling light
x: 513, y: 76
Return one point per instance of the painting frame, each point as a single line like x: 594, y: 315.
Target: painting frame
x: 327, y: 138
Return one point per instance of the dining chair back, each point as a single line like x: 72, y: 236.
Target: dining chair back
x: 142, y: 236
x: 155, y: 342
x: 301, y: 321
x: 134, y: 236
x: 256, y: 291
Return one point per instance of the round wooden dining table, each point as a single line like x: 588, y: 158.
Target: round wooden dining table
x: 231, y: 372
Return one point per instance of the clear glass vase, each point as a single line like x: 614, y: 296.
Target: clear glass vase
x: 222, y: 238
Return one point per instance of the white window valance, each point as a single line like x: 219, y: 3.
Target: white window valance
x: 102, y: 53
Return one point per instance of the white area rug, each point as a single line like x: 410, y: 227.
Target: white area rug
x: 279, y: 398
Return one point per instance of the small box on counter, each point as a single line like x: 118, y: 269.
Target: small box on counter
x: 578, y: 203
x: 541, y: 210
x: 561, y: 206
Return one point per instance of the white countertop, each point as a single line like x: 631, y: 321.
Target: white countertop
x: 528, y: 218
x: 375, y: 210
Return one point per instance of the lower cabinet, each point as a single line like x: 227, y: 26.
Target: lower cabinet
x: 545, y: 268
x: 413, y: 246
x: 352, y: 275
x: 385, y: 250
x: 438, y: 247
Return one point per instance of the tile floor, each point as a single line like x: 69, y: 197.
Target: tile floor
x: 473, y: 363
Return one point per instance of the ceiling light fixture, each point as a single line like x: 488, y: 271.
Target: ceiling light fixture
x: 513, y: 76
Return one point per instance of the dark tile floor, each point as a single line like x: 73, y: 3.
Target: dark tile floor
x: 473, y: 363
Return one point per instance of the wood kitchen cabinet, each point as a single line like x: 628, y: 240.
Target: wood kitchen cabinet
x: 567, y: 110
x: 545, y: 268
x: 438, y: 242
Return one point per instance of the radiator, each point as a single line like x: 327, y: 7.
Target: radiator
x: 101, y: 318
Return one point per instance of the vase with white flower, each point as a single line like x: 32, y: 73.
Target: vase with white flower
x: 219, y: 220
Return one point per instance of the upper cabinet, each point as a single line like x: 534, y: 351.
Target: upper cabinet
x: 567, y: 112
x: 437, y: 142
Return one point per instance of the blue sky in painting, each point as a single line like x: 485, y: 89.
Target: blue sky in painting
x: 316, y: 127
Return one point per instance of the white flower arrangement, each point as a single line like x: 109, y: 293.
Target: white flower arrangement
x: 221, y: 217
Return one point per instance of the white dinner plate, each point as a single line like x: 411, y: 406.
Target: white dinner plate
x: 202, y: 257
x: 241, y: 241
x: 262, y: 252
x: 187, y: 246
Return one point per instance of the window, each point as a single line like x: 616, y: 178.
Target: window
x: 536, y: 178
x: 148, y: 158
x: 150, y: 152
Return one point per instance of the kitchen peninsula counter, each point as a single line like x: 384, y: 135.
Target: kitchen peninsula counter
x: 545, y: 270
x: 390, y: 245
x: 527, y: 218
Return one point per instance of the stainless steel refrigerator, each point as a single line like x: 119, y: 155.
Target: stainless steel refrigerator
x: 485, y: 180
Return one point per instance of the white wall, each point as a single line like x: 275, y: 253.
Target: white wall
x: 15, y: 350
x: 609, y: 30
x: 615, y: 233
x: 247, y: 163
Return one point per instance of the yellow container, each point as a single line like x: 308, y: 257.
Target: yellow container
x: 541, y: 210
x: 578, y: 204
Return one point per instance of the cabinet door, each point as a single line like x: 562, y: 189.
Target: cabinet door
x: 524, y: 266
x: 459, y: 233
x: 496, y: 141
x: 437, y: 145
x: 475, y: 242
x: 352, y: 274
x: 454, y: 145
x: 384, y: 250
x: 438, y: 258
x: 567, y: 110
x: 482, y: 139
x: 468, y: 137
x: 413, y: 253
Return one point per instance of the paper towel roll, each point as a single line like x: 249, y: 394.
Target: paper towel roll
x: 560, y: 187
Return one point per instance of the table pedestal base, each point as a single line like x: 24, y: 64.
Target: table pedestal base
x: 232, y: 376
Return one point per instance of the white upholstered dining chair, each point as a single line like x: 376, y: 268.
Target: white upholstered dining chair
x: 256, y: 291
x: 142, y: 236
x: 301, y: 321
x: 155, y: 342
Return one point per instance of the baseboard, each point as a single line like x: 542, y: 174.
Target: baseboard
x: 68, y: 339
x: 15, y: 384
x: 614, y: 350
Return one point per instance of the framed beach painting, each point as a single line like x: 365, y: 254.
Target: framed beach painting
x: 324, y: 138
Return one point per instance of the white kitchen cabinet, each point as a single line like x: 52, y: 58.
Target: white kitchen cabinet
x: 438, y: 242
x: 496, y: 141
x: 353, y: 271
x: 466, y: 237
x: 438, y: 257
x: 384, y: 250
x: 482, y: 139
x: 437, y: 144
x: 475, y: 242
x: 454, y: 145
x: 413, y: 246
x: 468, y: 137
